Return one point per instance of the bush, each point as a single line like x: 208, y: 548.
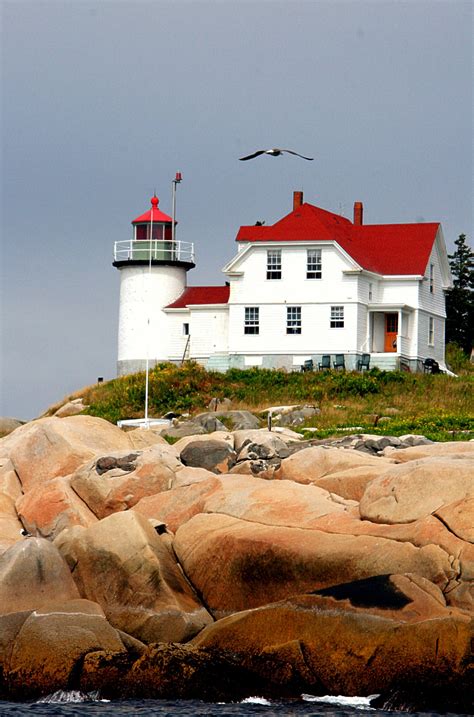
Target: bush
x: 456, y: 359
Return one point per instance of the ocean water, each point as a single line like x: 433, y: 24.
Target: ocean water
x: 73, y: 704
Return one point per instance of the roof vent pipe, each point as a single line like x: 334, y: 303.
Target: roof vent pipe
x: 297, y: 200
x: 358, y: 213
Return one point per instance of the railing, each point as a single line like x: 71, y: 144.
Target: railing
x: 160, y: 250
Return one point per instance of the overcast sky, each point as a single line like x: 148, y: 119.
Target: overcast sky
x: 102, y: 102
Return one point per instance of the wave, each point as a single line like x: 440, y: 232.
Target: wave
x: 342, y: 700
x: 71, y: 696
x: 255, y: 701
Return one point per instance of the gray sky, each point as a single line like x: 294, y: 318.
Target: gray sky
x: 102, y: 102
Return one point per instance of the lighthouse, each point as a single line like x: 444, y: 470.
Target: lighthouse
x: 153, y: 267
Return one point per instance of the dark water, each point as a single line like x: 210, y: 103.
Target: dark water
x: 63, y: 705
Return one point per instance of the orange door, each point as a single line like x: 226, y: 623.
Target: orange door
x: 391, y: 332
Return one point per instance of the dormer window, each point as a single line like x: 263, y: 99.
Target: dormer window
x: 274, y: 264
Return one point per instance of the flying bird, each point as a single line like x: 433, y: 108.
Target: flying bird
x: 274, y: 153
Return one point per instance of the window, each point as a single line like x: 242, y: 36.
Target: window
x: 274, y: 264
x: 337, y: 317
x: 251, y: 324
x: 293, y: 319
x: 313, y: 264
x: 431, y: 331
x: 185, y: 329
x: 370, y: 292
x: 431, y: 278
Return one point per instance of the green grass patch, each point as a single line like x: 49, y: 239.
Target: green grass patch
x: 437, y: 406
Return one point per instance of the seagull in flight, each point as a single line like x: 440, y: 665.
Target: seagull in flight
x: 274, y: 153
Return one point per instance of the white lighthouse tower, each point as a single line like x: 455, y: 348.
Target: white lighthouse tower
x: 153, y: 268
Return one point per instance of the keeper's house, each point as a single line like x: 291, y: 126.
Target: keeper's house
x: 312, y: 284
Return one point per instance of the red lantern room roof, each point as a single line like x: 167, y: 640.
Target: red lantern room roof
x: 153, y: 214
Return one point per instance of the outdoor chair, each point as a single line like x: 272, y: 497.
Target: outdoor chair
x: 339, y: 363
x: 364, y: 362
x: 325, y: 362
x: 430, y: 366
x: 308, y: 365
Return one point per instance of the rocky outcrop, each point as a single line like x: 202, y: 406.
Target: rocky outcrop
x: 352, y: 639
x: 431, y: 450
x: 131, y: 572
x: 47, y: 646
x: 311, y: 464
x: 10, y: 525
x: 71, y: 408
x: 291, y: 415
x: 171, y: 671
x: 50, y: 507
x: 233, y: 420
x: 412, y: 490
x: 51, y: 447
x: 282, y: 503
x: 119, y: 480
x: 213, y: 455
x: 9, y: 482
x: 32, y: 575
x: 234, y: 563
x: 8, y: 425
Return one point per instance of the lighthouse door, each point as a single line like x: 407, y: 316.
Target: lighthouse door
x: 391, y: 333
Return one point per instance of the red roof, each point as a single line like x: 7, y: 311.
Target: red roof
x: 201, y: 295
x: 158, y: 216
x: 381, y: 248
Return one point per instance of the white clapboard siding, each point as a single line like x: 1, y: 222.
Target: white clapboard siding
x: 433, y: 302
x: 209, y: 331
x: 425, y: 349
x: 254, y: 288
x: 316, y: 334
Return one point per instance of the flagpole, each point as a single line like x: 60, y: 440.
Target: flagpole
x: 147, y: 370
x: 178, y: 178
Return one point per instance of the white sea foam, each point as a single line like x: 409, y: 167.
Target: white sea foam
x: 71, y: 696
x: 342, y: 700
x: 256, y: 701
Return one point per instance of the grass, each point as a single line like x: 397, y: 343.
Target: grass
x: 437, y: 406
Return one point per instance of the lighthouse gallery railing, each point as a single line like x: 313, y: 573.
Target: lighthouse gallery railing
x: 161, y: 250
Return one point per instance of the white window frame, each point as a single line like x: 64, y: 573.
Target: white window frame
x: 431, y: 331
x: 186, y: 329
x: 252, y: 320
x: 370, y: 291
x: 314, y: 266
x: 431, y: 278
x: 293, y: 319
x: 336, y: 319
x: 273, y: 264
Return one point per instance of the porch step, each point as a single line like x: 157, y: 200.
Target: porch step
x: 383, y: 362
x: 218, y: 362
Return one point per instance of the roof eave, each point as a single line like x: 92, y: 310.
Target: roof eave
x: 188, y: 307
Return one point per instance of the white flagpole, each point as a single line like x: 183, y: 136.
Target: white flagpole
x: 147, y: 370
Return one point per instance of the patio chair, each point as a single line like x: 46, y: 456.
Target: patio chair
x: 308, y: 365
x: 430, y: 366
x: 363, y: 362
x: 325, y: 362
x: 339, y: 363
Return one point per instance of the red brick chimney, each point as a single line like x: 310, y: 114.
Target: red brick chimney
x: 358, y: 213
x: 297, y: 200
